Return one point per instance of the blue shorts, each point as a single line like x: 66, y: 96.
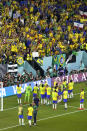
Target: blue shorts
x: 82, y: 100
x: 69, y: 91
x: 65, y: 100
x: 19, y: 95
x: 34, y: 94
x: 21, y: 116
x: 60, y: 93
x: 48, y: 96
x: 43, y: 96
x: 54, y: 102
x: 29, y: 117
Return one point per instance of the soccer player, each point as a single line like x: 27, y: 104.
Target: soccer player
x: 65, y: 96
x: 35, y: 90
x: 19, y: 93
x: 30, y: 114
x: 64, y: 83
x: 70, y: 89
x: 48, y: 94
x: 45, y: 85
x: 54, y: 98
x: 28, y: 91
x: 20, y: 114
x: 82, y: 99
x: 42, y: 92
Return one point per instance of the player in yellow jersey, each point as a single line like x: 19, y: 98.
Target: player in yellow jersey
x: 70, y: 89
x: 42, y: 92
x: 48, y: 94
x: 54, y: 98
x: 45, y: 85
x: 30, y: 114
x: 65, y: 96
x: 64, y: 83
x: 19, y: 94
x: 35, y: 90
x: 60, y: 92
x: 20, y: 114
x: 82, y: 99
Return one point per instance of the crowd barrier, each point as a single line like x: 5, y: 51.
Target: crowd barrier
x: 11, y: 90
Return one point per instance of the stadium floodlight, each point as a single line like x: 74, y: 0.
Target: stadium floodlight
x: 1, y: 96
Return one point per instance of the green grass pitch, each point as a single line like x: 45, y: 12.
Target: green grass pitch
x: 48, y: 119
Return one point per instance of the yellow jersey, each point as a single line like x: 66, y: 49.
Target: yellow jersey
x: 65, y: 94
x: 70, y: 85
x: 35, y: 89
x: 18, y: 90
x: 82, y: 95
x: 54, y: 96
x: 49, y: 91
x: 42, y: 90
x: 30, y: 111
x: 20, y: 111
x: 64, y: 84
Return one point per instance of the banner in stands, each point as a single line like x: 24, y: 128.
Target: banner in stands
x: 58, y: 60
x: 11, y: 90
x: 75, y: 77
x: 3, y: 70
x: 40, y: 61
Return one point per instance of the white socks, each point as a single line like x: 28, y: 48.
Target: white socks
x: 21, y: 121
x: 19, y: 101
x: 81, y: 106
x: 54, y: 106
x: 29, y: 122
x: 65, y: 105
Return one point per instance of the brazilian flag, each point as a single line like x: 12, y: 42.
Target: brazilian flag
x: 20, y: 60
x: 61, y: 60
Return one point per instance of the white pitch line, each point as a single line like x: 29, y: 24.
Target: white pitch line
x: 64, y: 114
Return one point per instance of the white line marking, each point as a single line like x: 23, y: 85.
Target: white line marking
x: 45, y: 119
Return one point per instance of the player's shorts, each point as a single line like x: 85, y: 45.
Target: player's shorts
x: 21, y: 116
x: 43, y: 96
x: 54, y: 102
x: 29, y: 117
x: 34, y: 94
x: 69, y: 91
x: 60, y: 93
x: 48, y: 96
x: 82, y: 100
x: 19, y: 95
x: 64, y: 100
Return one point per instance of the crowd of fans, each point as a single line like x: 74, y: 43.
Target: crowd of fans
x: 45, y: 26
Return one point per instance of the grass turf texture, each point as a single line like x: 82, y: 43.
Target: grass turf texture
x: 48, y: 120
